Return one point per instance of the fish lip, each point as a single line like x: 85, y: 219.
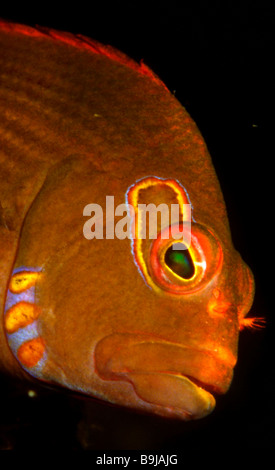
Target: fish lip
x: 209, y: 387
x: 204, y: 385
x: 119, y: 348
x: 220, y: 355
x: 212, y: 390
x: 199, y: 402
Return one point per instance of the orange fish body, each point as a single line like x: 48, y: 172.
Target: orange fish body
x: 110, y: 317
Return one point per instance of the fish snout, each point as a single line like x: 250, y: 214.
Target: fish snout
x: 174, y: 379
x: 246, y: 291
x: 230, y: 300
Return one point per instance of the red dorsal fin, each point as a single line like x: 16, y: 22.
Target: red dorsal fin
x: 81, y: 42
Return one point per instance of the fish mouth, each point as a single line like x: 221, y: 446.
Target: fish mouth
x: 168, y: 379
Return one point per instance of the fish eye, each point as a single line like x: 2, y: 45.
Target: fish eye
x: 182, y: 266
x: 178, y: 259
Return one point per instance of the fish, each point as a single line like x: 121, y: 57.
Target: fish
x: 151, y: 324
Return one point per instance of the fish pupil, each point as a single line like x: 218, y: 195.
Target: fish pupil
x: 178, y: 259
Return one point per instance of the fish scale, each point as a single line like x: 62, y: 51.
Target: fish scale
x: 80, y: 121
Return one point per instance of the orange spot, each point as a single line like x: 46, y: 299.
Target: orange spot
x: 30, y: 353
x: 216, y: 293
x: 217, y: 305
x: 20, y: 315
x: 23, y: 281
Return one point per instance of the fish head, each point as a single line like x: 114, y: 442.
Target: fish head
x: 138, y: 322
x: 181, y: 347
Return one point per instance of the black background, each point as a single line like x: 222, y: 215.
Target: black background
x: 218, y: 59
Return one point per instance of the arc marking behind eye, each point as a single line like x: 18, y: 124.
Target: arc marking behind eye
x: 132, y: 197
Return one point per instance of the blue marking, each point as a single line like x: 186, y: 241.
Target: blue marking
x: 22, y: 335
x: 36, y: 371
x: 26, y: 296
x: 29, y: 332
x: 26, y: 268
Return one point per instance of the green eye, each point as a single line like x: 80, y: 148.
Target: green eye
x: 179, y: 261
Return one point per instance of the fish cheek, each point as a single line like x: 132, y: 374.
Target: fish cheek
x: 202, y: 311
x: 85, y: 296
x: 73, y: 305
